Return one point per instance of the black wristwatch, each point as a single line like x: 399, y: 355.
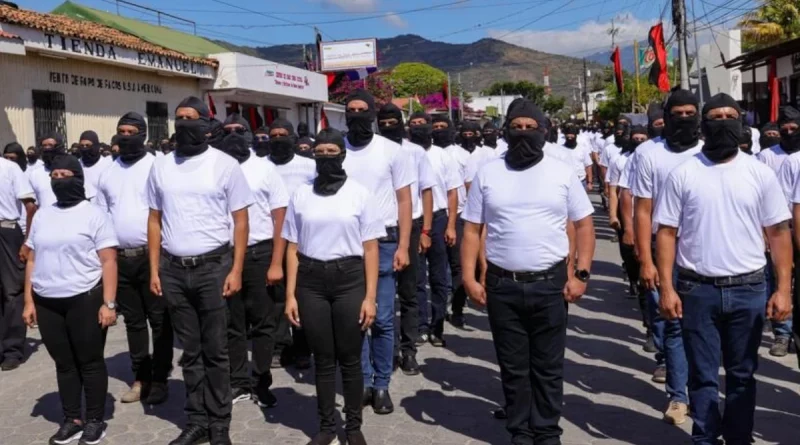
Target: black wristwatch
x: 583, y: 275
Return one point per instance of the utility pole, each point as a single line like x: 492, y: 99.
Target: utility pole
x: 502, y: 105
x: 679, y: 20
x: 697, y: 62
x: 449, y: 99
x: 635, y: 96
x: 586, y: 89
x: 613, y: 33
x: 460, y: 99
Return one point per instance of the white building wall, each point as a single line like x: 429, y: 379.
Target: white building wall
x: 87, y: 107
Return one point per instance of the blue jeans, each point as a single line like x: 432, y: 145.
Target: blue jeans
x: 779, y: 328
x: 722, y: 324
x: 378, y: 347
x: 432, y: 268
x: 669, y: 343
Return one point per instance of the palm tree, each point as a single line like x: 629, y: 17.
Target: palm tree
x: 773, y: 22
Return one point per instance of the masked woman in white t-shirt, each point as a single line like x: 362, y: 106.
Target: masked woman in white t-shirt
x: 332, y: 227
x: 70, y: 287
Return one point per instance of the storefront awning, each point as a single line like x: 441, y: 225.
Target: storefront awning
x: 761, y: 57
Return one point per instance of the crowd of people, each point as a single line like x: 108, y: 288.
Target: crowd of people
x: 295, y: 246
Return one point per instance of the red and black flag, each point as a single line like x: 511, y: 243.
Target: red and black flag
x: 616, y: 59
x: 658, y: 72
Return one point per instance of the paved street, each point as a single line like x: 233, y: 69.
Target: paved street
x: 609, y: 396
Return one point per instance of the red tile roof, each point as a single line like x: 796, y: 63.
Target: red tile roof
x: 8, y: 35
x: 89, y: 31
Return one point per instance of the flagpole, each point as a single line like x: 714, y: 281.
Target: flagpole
x: 449, y: 99
x: 697, y: 61
x: 635, y: 97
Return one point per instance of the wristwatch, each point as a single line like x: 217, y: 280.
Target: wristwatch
x: 583, y: 275
x: 111, y: 305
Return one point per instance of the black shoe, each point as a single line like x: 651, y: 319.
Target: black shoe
x: 409, y: 365
x: 302, y: 362
x: 422, y: 339
x: 779, y: 349
x: 276, y: 362
x: 500, y: 414
x: 220, y: 435
x: 381, y: 402
x: 157, y: 394
x: 457, y: 320
x: 93, y: 432
x: 356, y: 438
x: 240, y: 395
x: 69, y: 432
x: 368, y: 397
x: 10, y: 364
x: 438, y: 341
x: 324, y: 439
x: 191, y: 435
x: 265, y: 398
x: 650, y: 344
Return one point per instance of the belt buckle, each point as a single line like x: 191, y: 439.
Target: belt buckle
x: 129, y: 252
x: 189, y: 261
x: 514, y: 277
x: 8, y: 224
x: 724, y: 281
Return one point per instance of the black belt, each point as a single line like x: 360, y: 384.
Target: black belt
x: 343, y: 261
x: 526, y: 277
x: 440, y: 212
x: 417, y: 222
x: 252, y: 249
x: 391, y: 236
x: 132, y: 252
x: 734, y: 280
x: 198, y: 260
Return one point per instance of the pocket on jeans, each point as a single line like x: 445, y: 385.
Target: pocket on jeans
x: 685, y: 286
x: 757, y: 287
x: 492, y: 281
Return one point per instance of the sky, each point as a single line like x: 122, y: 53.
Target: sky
x: 567, y: 27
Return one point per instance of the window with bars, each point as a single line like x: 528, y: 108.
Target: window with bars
x: 49, y: 114
x: 157, y: 121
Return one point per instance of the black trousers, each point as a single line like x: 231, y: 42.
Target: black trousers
x: 407, y: 291
x: 287, y: 337
x: 796, y: 301
x: 529, y: 328
x: 329, y: 296
x: 139, y: 307
x: 253, y: 309
x: 459, y: 294
x: 75, y: 341
x: 198, y: 314
x: 631, y: 265
x: 12, y: 302
x: 432, y: 271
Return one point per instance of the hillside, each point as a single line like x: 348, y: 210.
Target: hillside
x: 480, y: 63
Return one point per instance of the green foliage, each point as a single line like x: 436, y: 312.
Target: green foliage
x: 553, y: 105
x: 773, y: 22
x: 621, y: 103
x: 409, y: 79
x: 531, y: 91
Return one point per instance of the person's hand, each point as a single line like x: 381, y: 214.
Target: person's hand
x: 589, y: 186
x: 574, y: 289
x: 24, y: 251
x: 233, y: 284
x: 424, y: 243
x: 292, y: 312
x: 450, y: 237
x: 779, y: 306
x: 648, y: 276
x: 401, y: 260
x: 106, y: 317
x: 627, y: 238
x: 670, y: 304
x: 367, y: 315
x: 274, y: 274
x: 29, y: 315
x: 155, y: 285
x: 476, y: 292
x: 613, y: 222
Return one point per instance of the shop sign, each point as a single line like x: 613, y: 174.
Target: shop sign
x: 101, y: 83
x: 288, y: 80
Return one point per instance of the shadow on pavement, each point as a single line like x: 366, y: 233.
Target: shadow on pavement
x: 295, y: 411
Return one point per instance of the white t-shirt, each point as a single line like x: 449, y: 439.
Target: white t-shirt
x: 122, y: 192
x: 502, y: 146
x: 580, y: 158
x: 755, y: 135
x: 447, y: 178
x: 460, y: 159
x: 91, y: 175
x: 653, y: 166
x: 43, y: 190
x: 477, y: 158
x: 609, y: 153
x: 773, y: 157
x: 65, y: 242
x: 14, y: 186
x: 422, y: 172
x: 297, y: 172
x: 269, y: 194
x: 617, y: 167
x: 555, y: 151
x: 789, y: 176
x: 383, y: 168
x: 720, y: 210
x: 196, y: 196
x: 331, y: 227
x: 526, y: 232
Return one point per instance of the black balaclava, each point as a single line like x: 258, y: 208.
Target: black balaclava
x: 769, y: 141
x: 359, y: 125
x: 308, y: 153
x: 302, y: 130
x: 393, y: 132
x: 420, y: 134
x: 622, y: 134
x: 490, y: 134
x: 570, y: 130
x: 681, y: 133
x: 525, y: 147
x: 261, y: 147
x: 90, y: 155
x: 470, y: 143
x: 69, y: 191
x: 608, y: 129
x: 15, y: 148
x: 746, y: 140
x: 552, y: 131
x: 59, y: 148
x: 654, y: 112
x: 633, y: 145
x: 237, y: 143
x: 190, y: 134
x: 281, y: 148
x: 217, y: 133
x: 330, y: 172
x: 33, y: 155
x: 442, y: 137
x: 721, y: 136
x: 132, y: 148
x: 790, y: 143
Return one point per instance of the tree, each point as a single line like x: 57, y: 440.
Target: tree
x: 375, y: 84
x: 773, y: 22
x: 528, y: 90
x: 621, y: 103
x: 553, y: 105
x: 409, y: 79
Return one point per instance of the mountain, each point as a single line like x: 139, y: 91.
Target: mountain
x: 480, y: 64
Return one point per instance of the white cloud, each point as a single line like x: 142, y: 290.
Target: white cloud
x: 354, y: 5
x: 395, y: 20
x: 591, y: 37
